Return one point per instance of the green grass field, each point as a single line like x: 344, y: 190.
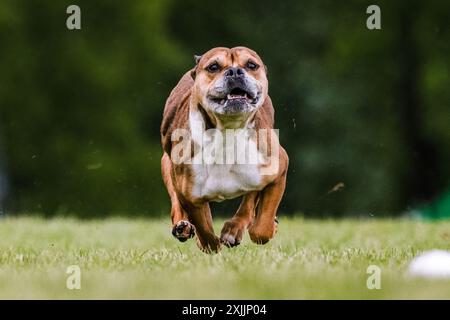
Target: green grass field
x: 126, y: 258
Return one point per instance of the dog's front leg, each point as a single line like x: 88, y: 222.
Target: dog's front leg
x: 264, y: 225
x: 182, y: 229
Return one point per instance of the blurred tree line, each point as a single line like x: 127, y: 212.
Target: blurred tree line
x: 364, y: 115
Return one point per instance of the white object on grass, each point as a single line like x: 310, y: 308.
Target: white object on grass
x: 431, y: 264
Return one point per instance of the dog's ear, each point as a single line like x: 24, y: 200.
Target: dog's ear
x: 194, y: 71
x: 197, y: 58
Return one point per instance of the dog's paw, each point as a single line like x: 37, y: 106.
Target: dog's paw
x: 232, y: 233
x: 262, y: 234
x: 183, y: 230
x: 209, y: 244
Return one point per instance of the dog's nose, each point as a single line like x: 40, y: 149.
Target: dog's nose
x: 234, y: 72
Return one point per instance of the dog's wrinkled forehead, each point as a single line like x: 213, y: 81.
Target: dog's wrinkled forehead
x: 229, y: 57
x: 226, y: 57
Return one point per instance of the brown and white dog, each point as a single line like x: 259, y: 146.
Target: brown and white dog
x: 227, y: 90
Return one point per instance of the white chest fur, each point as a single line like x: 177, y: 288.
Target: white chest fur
x: 227, y: 180
x: 218, y: 182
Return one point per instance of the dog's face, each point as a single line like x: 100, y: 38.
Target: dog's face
x: 230, y: 82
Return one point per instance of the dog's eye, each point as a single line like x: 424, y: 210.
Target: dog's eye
x: 251, y: 65
x: 214, y: 67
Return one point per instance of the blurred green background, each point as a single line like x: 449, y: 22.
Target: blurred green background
x: 368, y: 111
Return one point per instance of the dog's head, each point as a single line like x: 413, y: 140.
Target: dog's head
x: 230, y: 83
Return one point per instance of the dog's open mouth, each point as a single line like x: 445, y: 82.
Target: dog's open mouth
x: 236, y: 95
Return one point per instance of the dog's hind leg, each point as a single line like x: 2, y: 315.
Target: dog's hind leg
x: 233, y: 229
x: 200, y: 215
x: 182, y: 229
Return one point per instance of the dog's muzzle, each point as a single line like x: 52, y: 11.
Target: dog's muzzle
x: 237, y: 95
